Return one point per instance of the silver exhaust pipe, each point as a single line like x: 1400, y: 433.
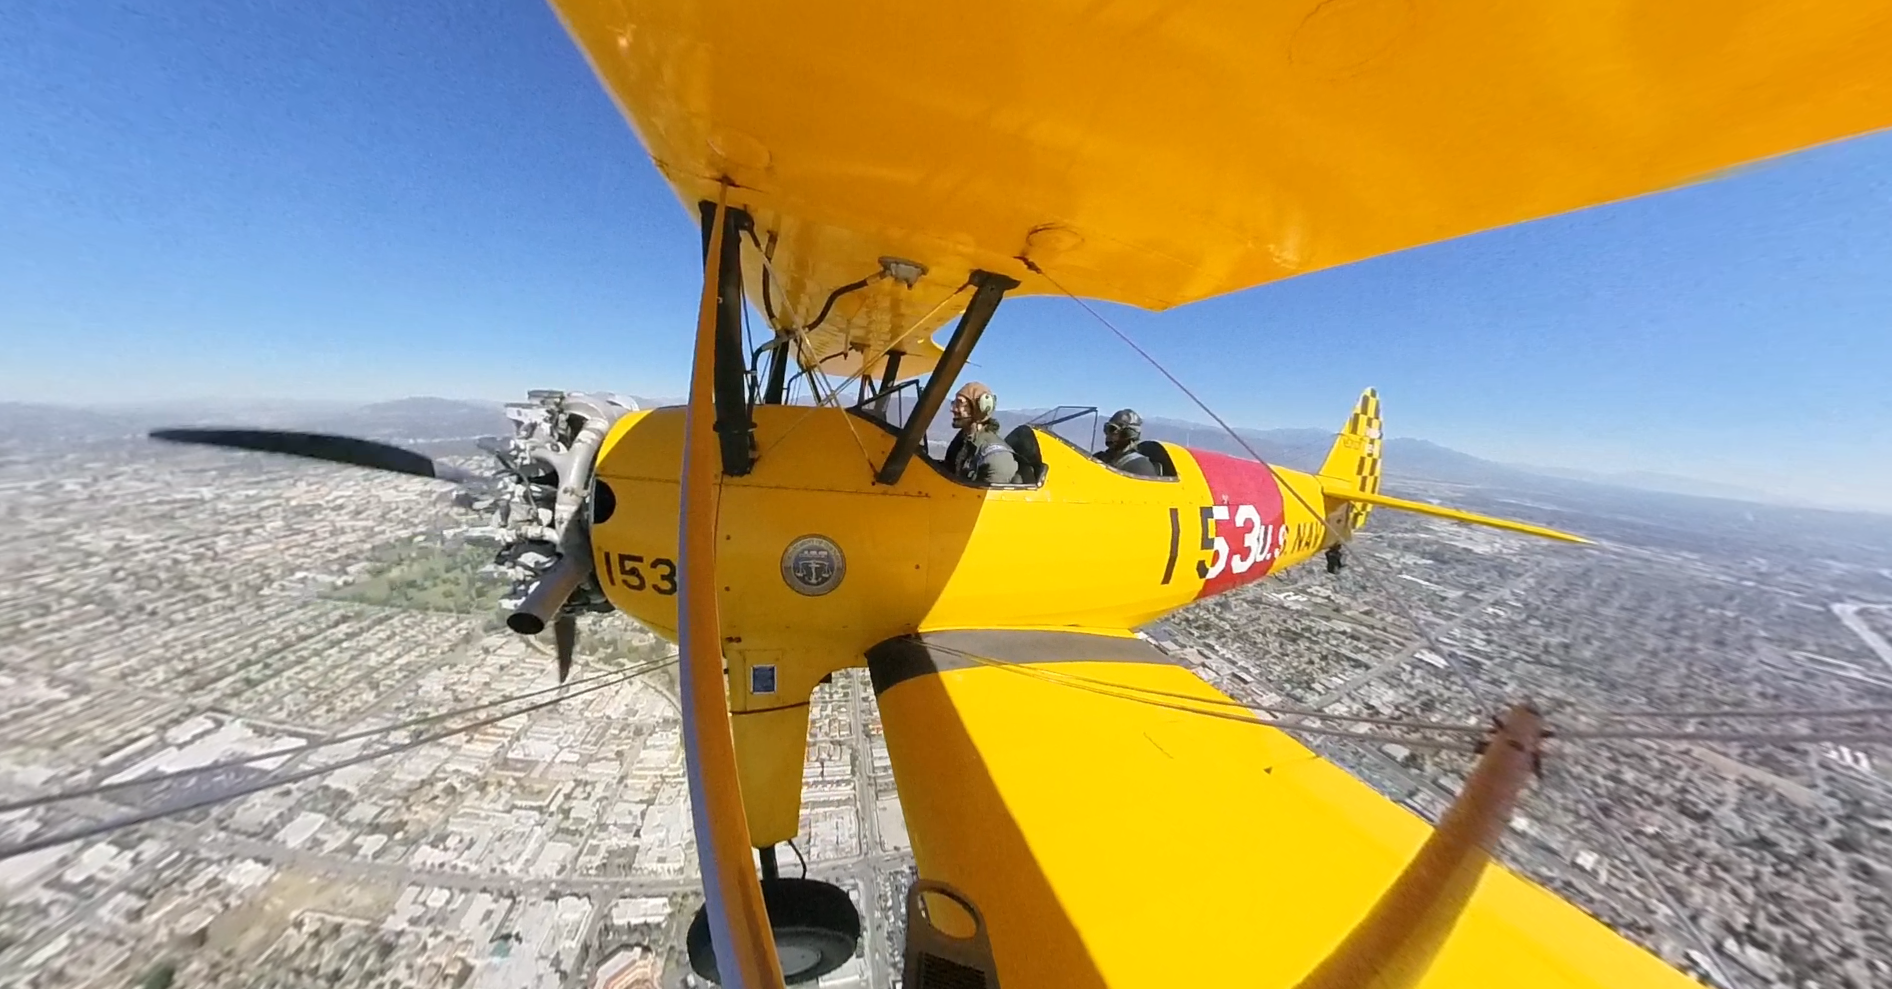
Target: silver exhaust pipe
x: 568, y: 527
x: 556, y: 584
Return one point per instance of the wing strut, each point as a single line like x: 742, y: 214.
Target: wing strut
x: 739, y: 922
x: 988, y: 289
x: 1395, y: 944
x: 734, y: 425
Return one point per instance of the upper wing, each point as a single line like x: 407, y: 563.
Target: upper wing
x: 1154, y: 153
x: 1112, y: 840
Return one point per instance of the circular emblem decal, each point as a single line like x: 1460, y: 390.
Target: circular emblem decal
x: 813, y: 565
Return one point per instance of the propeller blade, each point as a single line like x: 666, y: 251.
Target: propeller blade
x: 565, y: 631
x: 322, y: 446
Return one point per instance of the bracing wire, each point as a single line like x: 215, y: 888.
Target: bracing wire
x: 1209, y: 708
x: 1075, y: 679
x: 1588, y: 734
x: 1425, y: 633
x: 1635, y: 734
x: 273, y: 781
x: 1864, y: 738
x: 1229, y: 715
x: 1599, y: 815
x: 867, y: 365
x: 866, y: 457
x: 797, y: 330
x: 99, y: 789
x: 1200, y: 404
x: 1226, y: 710
x: 1659, y: 735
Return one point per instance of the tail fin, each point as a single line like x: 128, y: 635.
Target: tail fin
x: 1354, y: 462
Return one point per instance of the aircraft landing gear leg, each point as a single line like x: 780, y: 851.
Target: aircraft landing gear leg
x: 1336, y: 558
x: 816, y: 927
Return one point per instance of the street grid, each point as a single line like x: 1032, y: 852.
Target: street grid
x: 166, y: 608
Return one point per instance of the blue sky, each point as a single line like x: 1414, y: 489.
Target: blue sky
x: 368, y: 200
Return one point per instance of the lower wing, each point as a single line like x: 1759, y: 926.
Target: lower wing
x: 1118, y: 822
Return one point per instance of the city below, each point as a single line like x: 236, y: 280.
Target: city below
x: 166, y: 609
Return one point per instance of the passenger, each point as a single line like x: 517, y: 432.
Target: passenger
x: 1121, y: 435
x: 977, y: 454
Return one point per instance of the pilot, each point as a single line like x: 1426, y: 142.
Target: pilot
x: 1121, y: 434
x: 977, y: 454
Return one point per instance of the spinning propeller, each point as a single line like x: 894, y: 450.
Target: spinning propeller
x: 348, y: 450
x: 540, y: 497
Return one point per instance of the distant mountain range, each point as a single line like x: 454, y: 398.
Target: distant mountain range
x: 433, y: 421
x: 1405, y: 458
x: 1643, y: 480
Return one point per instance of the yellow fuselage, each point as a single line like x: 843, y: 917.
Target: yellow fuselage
x: 1088, y: 547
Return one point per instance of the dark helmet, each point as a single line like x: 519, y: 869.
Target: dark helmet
x: 1126, y: 423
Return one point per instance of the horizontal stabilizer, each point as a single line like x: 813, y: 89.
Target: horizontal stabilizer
x: 1336, y: 491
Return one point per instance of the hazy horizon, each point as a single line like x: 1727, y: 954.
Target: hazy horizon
x: 1642, y: 480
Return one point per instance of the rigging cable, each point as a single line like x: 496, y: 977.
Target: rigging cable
x: 794, y: 329
x: 1074, y: 679
x: 1599, y: 814
x: 284, y: 753
x: 1280, y: 481
x: 1209, y: 708
x: 1655, y: 735
x: 866, y: 457
x: 1691, y: 735
x: 271, y: 782
x: 1425, y: 634
x: 866, y: 366
x: 1121, y: 692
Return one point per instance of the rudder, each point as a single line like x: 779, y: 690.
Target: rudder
x: 1354, y: 460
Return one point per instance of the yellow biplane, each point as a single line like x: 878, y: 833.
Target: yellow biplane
x: 1082, y: 811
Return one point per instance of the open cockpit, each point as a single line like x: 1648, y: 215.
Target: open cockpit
x: 1073, y: 426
